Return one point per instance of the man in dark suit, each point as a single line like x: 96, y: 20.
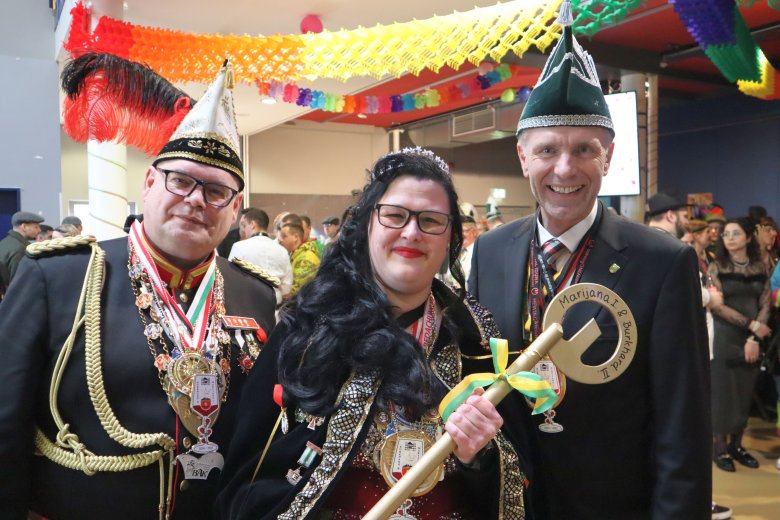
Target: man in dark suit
x: 637, y: 447
x: 123, y: 362
x: 26, y: 227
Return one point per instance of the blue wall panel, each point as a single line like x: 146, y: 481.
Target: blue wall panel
x: 728, y: 146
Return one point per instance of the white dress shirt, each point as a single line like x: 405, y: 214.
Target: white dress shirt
x: 570, y: 238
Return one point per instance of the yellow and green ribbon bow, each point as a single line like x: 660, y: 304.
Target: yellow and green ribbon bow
x: 527, y: 383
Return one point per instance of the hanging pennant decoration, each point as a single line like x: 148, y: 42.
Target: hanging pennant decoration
x: 774, y: 4
x: 392, y: 50
x: 434, y: 97
x: 590, y: 16
x: 379, y: 51
x: 719, y: 28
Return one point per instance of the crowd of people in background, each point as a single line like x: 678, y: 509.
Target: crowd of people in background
x: 740, y: 278
x: 27, y: 228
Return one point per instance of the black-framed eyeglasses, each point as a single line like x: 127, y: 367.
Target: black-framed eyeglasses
x: 183, y: 184
x: 397, y: 217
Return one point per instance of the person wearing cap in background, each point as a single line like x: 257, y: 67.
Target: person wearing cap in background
x: 121, y: 385
x: 74, y: 221
x: 330, y: 228
x: 26, y: 227
x: 668, y: 214
x: 636, y: 447
x: 716, y: 220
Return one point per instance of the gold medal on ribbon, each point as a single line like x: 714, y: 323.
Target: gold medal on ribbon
x: 178, y: 385
x: 400, y: 451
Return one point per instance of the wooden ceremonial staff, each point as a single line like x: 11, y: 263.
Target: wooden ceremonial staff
x: 388, y: 504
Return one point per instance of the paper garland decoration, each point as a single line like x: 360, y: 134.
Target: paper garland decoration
x: 590, y: 16
x: 304, y: 97
x: 378, y: 51
x: 718, y: 27
x: 774, y: 4
x: 396, y: 49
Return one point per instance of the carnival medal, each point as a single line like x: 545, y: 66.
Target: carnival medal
x: 305, y: 461
x: 402, y: 513
x: 205, y: 403
x: 181, y: 380
x: 547, y: 370
x: 401, y: 450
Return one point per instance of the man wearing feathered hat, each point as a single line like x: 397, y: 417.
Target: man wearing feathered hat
x: 638, y: 446
x: 127, y: 358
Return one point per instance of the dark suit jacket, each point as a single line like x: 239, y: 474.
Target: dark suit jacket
x: 35, y: 319
x: 639, y: 446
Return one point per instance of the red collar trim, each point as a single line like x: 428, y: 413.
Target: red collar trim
x: 174, y: 277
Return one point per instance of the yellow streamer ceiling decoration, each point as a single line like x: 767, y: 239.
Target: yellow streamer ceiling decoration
x: 378, y: 51
x: 766, y: 87
x: 451, y: 40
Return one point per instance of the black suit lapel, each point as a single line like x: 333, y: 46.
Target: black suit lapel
x: 516, y: 268
x: 604, y: 266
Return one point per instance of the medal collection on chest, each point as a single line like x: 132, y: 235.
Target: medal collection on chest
x: 194, y: 371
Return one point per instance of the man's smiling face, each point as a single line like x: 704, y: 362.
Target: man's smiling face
x: 564, y: 165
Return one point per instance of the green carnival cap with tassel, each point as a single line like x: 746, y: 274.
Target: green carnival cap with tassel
x: 208, y: 133
x: 568, y: 92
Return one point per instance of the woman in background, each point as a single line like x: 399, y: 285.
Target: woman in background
x: 740, y: 322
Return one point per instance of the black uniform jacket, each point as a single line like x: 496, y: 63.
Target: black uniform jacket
x: 35, y: 319
x: 637, y: 447
x: 496, y: 489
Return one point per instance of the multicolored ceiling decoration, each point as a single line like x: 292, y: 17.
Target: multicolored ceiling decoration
x: 774, y: 4
x: 432, y: 97
x: 397, y: 49
x: 410, y: 47
x: 590, y: 16
x: 379, y: 51
x: 718, y: 27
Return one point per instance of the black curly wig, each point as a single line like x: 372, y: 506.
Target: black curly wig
x: 342, y: 321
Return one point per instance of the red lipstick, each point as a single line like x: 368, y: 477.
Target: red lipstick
x: 408, y: 252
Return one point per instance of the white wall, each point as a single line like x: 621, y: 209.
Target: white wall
x: 316, y: 158
x: 480, y: 167
x: 327, y: 159
x: 307, y: 157
x: 30, y: 146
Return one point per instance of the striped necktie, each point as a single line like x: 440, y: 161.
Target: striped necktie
x: 551, y: 250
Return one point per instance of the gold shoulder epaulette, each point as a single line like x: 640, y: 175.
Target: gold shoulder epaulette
x: 58, y: 245
x: 257, y: 271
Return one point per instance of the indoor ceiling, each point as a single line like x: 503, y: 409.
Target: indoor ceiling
x: 650, y: 39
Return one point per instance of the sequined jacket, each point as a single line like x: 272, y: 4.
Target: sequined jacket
x: 498, y: 488
x: 36, y: 318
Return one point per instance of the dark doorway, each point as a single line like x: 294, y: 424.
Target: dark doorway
x: 10, y: 203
